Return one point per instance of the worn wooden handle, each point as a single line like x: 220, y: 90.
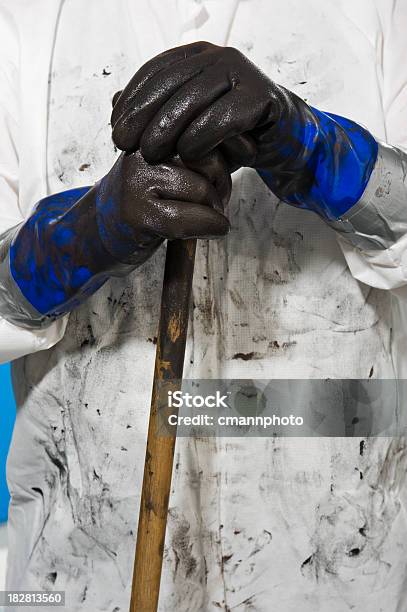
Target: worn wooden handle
x: 169, y: 363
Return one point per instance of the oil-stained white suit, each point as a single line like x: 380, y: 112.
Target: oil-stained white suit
x: 255, y: 524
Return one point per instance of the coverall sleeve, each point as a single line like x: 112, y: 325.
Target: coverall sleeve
x: 373, y: 234
x: 15, y: 341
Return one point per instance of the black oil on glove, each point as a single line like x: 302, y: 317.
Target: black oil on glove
x: 74, y: 241
x: 139, y: 205
x: 194, y: 98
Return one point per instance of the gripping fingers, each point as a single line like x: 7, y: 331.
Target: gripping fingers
x: 150, y: 69
x: 173, y: 219
x: 160, y: 136
x: 184, y: 185
x: 214, y: 168
x: 147, y: 101
x: 227, y: 117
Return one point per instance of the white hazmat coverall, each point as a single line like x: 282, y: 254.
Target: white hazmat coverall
x: 254, y: 523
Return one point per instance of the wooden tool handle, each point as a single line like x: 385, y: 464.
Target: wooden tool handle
x: 169, y: 363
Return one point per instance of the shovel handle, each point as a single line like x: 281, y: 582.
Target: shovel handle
x: 169, y: 363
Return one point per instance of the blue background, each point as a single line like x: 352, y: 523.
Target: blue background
x: 7, y: 417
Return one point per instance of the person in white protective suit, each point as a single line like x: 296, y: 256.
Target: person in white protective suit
x: 300, y: 288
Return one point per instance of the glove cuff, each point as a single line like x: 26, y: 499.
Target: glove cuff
x: 317, y: 161
x: 55, y: 260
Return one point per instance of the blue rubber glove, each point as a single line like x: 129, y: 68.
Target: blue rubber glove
x: 200, y: 96
x: 54, y: 270
x: 74, y: 241
x: 324, y: 166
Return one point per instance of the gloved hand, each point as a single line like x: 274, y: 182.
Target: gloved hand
x: 200, y: 96
x: 74, y: 241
